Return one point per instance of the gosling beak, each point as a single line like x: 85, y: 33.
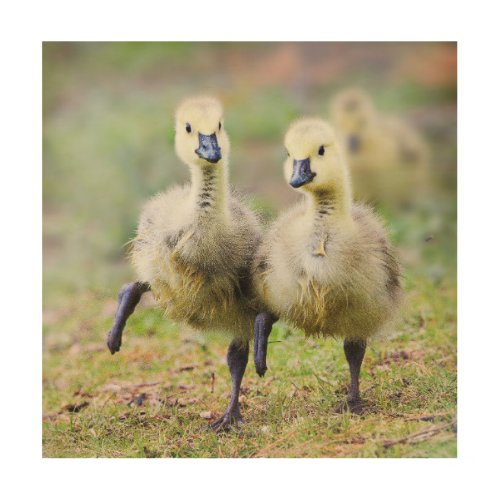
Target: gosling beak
x: 209, y: 148
x: 301, y: 173
x: 353, y: 143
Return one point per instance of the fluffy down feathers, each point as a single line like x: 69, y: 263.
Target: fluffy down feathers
x: 198, y: 271
x: 389, y: 158
x: 195, y: 244
x: 326, y: 265
x: 342, y: 281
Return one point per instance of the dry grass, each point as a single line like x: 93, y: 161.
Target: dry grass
x: 156, y: 397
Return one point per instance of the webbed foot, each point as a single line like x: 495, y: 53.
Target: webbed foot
x: 355, y: 405
x: 228, y: 421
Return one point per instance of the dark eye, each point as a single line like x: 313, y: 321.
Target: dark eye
x: 321, y: 150
x: 220, y: 125
x: 188, y: 128
x: 287, y: 153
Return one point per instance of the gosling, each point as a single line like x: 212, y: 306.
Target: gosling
x: 195, y: 245
x: 326, y: 265
x: 389, y: 158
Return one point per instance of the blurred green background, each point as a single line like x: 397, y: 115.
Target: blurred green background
x: 108, y: 137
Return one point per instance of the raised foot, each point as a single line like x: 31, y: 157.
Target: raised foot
x: 260, y: 365
x: 228, y: 421
x: 262, y: 329
x: 114, y: 342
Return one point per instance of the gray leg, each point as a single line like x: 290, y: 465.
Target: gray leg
x: 237, y: 359
x: 262, y: 329
x: 354, y: 353
x: 129, y: 296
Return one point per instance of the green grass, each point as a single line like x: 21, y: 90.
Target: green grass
x: 408, y: 382
x: 108, y: 145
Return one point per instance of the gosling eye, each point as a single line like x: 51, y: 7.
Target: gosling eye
x: 188, y: 128
x: 321, y: 150
x: 287, y: 153
x: 220, y: 125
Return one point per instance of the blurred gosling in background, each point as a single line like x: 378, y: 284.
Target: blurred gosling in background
x: 326, y: 265
x: 195, y: 244
x: 388, y: 157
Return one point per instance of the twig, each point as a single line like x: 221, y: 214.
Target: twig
x: 426, y: 418
x: 418, y: 436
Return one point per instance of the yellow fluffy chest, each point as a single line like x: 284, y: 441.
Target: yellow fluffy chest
x: 192, y: 290
x: 196, y: 261
x: 300, y: 268
x: 308, y: 301
x: 312, y: 287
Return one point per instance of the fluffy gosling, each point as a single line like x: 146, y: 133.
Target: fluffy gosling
x: 389, y: 158
x: 326, y: 265
x: 194, y: 247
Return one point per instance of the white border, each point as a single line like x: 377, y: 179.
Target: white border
x: 25, y: 25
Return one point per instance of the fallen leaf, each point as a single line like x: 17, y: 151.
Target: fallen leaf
x: 75, y: 408
x: 184, y: 387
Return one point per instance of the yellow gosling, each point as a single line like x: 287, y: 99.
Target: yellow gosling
x: 326, y: 265
x: 195, y: 244
x: 388, y: 157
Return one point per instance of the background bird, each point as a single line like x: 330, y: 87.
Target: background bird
x: 388, y: 157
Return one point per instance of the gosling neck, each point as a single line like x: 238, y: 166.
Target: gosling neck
x: 210, y: 188
x: 328, y: 206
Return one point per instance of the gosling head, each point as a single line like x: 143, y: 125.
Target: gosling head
x: 353, y: 113
x: 200, y: 138
x: 314, y: 163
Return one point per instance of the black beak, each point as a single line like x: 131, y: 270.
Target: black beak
x: 209, y: 148
x: 301, y: 173
x: 353, y: 143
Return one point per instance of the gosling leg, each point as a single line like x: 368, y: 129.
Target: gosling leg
x: 262, y: 329
x: 237, y: 359
x: 354, y: 353
x: 128, y: 297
